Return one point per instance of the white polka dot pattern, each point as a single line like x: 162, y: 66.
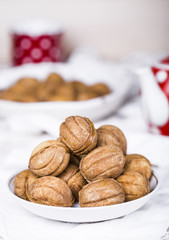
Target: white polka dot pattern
x: 161, y: 76
x: 36, y: 53
x: 45, y: 48
x: 25, y: 43
x: 45, y: 43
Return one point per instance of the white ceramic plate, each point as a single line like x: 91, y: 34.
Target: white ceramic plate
x: 81, y: 215
x: 114, y: 76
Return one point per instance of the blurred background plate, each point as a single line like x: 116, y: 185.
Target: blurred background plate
x: 115, y: 76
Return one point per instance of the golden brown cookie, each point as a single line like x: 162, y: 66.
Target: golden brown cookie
x: 111, y: 135
x: 9, y: 95
x: 135, y: 185
x: 138, y: 163
x: 85, y: 95
x: 31, y: 178
x: 70, y: 171
x: 78, y: 134
x: 76, y: 183
x: 20, y: 183
x: 103, y: 162
x: 53, y: 82
x: 52, y: 191
x: 42, y: 93
x: 79, y: 86
x: 100, y: 88
x: 66, y: 91
x: 49, y: 158
x: 54, y: 79
x: 102, y: 192
x: 29, y: 84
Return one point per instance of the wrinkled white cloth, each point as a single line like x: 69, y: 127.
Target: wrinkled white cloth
x: 149, y: 222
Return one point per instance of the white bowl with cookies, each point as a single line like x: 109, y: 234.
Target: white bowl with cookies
x: 58, y: 107
x: 85, y: 175
x: 88, y: 214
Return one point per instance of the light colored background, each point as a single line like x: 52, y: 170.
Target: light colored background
x: 113, y: 27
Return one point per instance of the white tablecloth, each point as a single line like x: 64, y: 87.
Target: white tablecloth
x: 150, y: 222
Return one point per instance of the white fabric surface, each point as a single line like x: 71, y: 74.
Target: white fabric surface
x: 149, y: 222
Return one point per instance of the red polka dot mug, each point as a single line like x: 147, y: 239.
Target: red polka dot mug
x: 154, y: 82
x: 36, y: 41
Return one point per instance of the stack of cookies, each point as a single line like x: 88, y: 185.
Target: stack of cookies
x: 84, y: 164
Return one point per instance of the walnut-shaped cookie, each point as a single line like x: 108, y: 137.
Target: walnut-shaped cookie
x: 66, y: 91
x: 78, y: 134
x: 79, y: 86
x: 135, y: 185
x: 111, y: 135
x: 28, y: 83
x: 100, y: 88
x: 31, y: 178
x: 76, y: 183
x: 106, y: 138
x: 49, y: 158
x: 72, y: 176
x: 55, y: 79
x: 70, y: 171
x: 102, y: 192
x: 52, y: 82
x: 22, y: 91
x: 21, y: 181
x: 42, y: 93
x: 18, y: 89
x: 52, y: 191
x: 103, y: 162
x: 14, y: 96
x: 7, y: 95
x: 138, y: 163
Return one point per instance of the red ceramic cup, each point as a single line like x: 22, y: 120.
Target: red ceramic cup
x: 161, y: 74
x: 154, y: 82
x: 36, y: 41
